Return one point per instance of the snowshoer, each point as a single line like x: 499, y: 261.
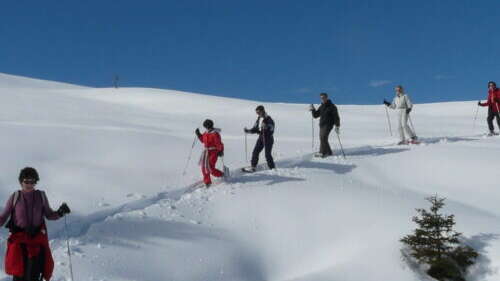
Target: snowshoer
x: 403, y: 103
x: 28, y: 255
x: 328, y: 118
x: 264, y: 127
x: 213, y: 149
x: 493, y: 104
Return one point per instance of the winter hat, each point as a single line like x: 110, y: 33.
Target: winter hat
x: 260, y: 108
x: 491, y: 82
x: 208, y: 124
x: 323, y: 95
x: 28, y: 173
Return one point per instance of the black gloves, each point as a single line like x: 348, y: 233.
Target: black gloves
x: 387, y: 103
x: 408, y: 110
x: 220, y: 154
x: 63, y: 210
x: 479, y: 103
x: 246, y: 130
x: 197, y: 132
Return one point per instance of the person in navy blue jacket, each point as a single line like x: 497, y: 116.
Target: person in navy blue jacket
x: 264, y: 127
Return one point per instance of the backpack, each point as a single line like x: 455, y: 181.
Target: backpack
x: 10, y: 224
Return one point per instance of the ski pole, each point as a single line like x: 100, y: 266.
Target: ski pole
x: 388, y: 120
x: 475, y: 118
x: 69, y: 251
x: 190, y: 154
x: 411, y: 123
x: 246, y: 148
x: 340, y: 143
x: 312, y: 130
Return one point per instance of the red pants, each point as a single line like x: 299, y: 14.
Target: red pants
x: 207, y: 162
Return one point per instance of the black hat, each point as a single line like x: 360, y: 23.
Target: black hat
x: 324, y: 94
x: 208, y: 124
x: 28, y: 173
x: 260, y: 108
x: 491, y: 82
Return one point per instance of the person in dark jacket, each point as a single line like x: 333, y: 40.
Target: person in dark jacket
x: 328, y: 119
x: 264, y: 127
x: 28, y: 255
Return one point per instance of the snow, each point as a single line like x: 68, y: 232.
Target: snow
x: 116, y: 156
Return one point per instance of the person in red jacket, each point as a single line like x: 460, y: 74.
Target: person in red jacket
x: 213, y: 149
x: 493, y: 104
x: 28, y: 255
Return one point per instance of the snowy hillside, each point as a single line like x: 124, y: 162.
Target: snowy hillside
x: 116, y: 156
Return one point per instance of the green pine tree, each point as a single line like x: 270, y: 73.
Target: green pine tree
x: 435, y: 243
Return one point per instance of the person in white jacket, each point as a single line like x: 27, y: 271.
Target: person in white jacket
x: 402, y: 103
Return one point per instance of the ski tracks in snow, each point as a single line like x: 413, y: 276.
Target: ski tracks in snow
x: 79, y: 226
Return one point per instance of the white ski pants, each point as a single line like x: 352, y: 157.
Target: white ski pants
x: 403, y: 126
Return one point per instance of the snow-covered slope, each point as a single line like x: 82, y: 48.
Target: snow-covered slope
x: 8, y: 81
x: 116, y: 156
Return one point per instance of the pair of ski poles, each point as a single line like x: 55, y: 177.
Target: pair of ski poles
x: 312, y: 139
x: 191, y: 154
x: 389, y: 122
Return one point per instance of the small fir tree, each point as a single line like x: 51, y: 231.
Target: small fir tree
x: 435, y: 243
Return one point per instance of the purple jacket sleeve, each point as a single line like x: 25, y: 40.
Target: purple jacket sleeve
x: 6, y: 211
x: 47, y: 210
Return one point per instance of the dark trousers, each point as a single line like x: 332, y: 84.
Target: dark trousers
x: 265, y: 143
x: 32, y: 266
x: 324, y: 146
x: 491, y: 116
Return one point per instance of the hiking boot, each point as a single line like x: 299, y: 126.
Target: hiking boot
x: 248, y: 169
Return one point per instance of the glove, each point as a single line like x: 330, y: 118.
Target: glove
x: 220, y: 153
x: 479, y: 103
x: 337, y: 130
x: 197, y: 132
x: 311, y: 108
x: 387, y: 103
x: 63, y: 210
x: 408, y: 110
x: 246, y: 130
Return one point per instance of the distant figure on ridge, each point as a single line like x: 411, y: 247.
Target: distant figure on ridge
x: 403, y: 103
x: 493, y: 104
x: 328, y: 118
x: 264, y: 127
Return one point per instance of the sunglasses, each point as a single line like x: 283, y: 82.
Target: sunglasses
x: 29, y: 181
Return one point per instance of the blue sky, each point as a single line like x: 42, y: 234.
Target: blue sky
x: 285, y: 51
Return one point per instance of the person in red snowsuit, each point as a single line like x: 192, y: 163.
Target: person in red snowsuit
x: 493, y: 104
x: 213, y: 149
x: 28, y: 256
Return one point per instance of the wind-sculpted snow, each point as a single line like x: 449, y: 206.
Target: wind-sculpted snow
x: 116, y: 156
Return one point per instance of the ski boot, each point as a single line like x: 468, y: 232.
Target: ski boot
x: 414, y: 140
x: 248, y: 170
x: 319, y: 155
x: 403, y: 142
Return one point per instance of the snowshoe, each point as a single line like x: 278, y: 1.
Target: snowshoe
x: 248, y: 170
x: 491, y: 134
x: 403, y: 142
x: 414, y: 141
x: 320, y: 155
